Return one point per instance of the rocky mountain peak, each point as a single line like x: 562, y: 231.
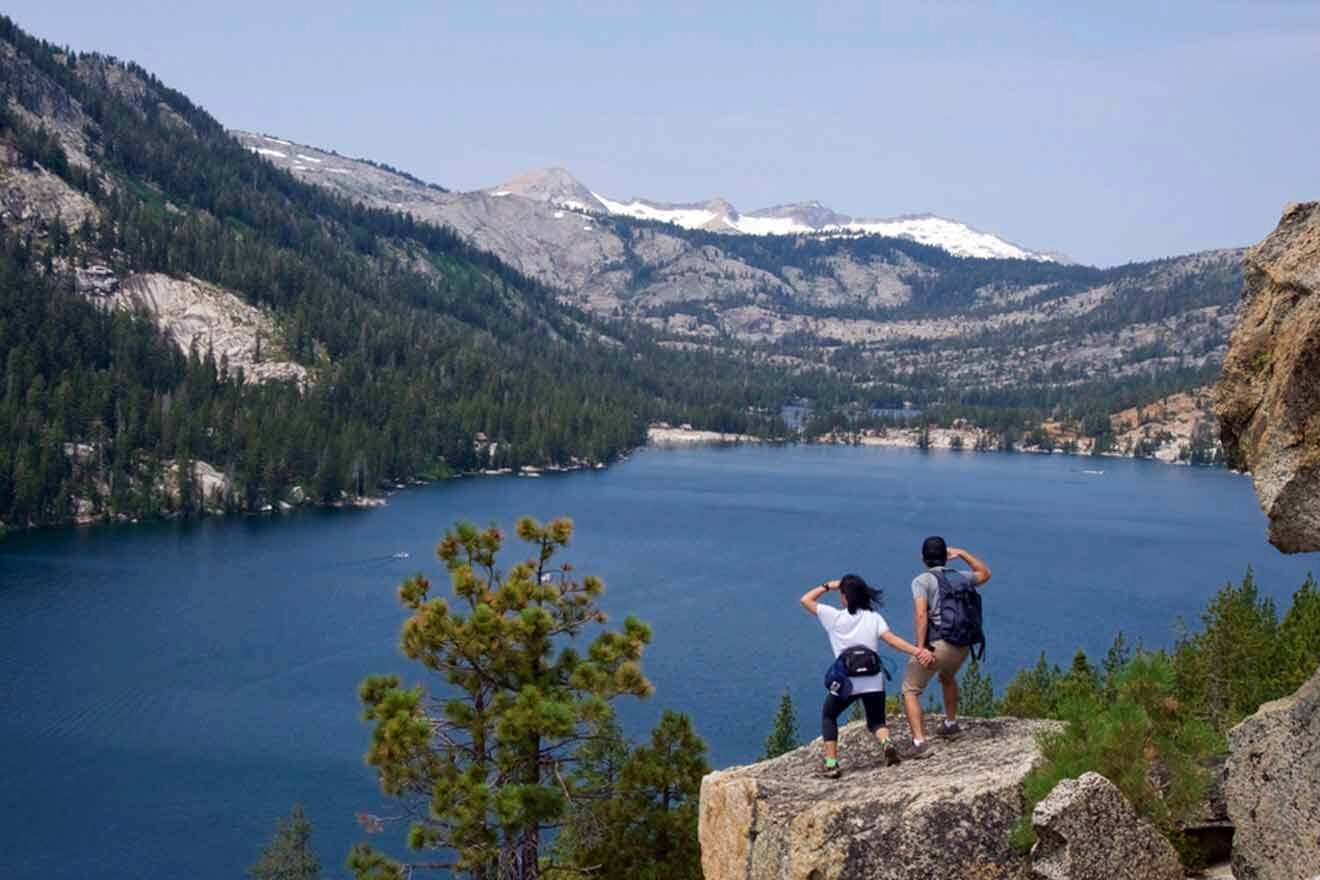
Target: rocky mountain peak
x: 722, y: 207
x: 554, y: 185
x: 811, y: 213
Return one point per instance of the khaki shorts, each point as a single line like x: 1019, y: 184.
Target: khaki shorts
x: 948, y: 660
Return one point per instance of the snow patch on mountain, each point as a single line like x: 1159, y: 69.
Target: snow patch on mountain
x: 752, y: 225
x: 687, y: 216
x: 956, y: 238
x: 560, y: 189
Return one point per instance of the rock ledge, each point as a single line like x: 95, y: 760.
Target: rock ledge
x: 946, y: 816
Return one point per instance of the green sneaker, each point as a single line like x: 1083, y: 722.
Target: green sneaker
x: 831, y: 770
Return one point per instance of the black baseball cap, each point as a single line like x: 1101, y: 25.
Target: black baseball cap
x: 934, y: 551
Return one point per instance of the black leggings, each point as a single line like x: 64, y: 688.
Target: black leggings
x: 873, y: 703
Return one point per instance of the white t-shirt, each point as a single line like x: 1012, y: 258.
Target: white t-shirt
x: 846, y: 630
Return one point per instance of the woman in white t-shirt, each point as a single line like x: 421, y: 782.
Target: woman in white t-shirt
x: 857, y: 624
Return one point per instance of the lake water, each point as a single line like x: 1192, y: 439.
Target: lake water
x: 171, y: 689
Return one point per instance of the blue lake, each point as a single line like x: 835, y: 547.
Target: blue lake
x: 171, y: 689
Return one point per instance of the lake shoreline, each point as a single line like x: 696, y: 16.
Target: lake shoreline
x: 942, y: 439
x: 658, y: 436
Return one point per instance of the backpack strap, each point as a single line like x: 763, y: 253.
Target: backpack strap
x: 942, y: 586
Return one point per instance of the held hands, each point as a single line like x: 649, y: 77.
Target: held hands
x: 925, y: 657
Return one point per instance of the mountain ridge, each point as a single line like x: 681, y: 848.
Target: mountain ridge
x: 861, y: 290
x: 560, y: 188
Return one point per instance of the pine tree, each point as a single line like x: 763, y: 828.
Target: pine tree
x: 1115, y: 658
x: 1033, y: 693
x: 1081, y: 685
x: 289, y: 855
x: 1229, y: 668
x: 976, y: 698
x: 1298, y: 653
x: 647, y: 828
x: 483, y: 768
x: 597, y: 768
x: 923, y: 436
x: 1143, y: 730
x: 783, y: 736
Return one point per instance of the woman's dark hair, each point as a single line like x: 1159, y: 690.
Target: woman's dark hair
x: 858, y: 596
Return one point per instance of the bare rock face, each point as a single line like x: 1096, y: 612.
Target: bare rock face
x: 1087, y: 830
x: 32, y: 199
x: 1273, y: 788
x: 945, y: 816
x: 211, y: 488
x: 1269, y: 395
x: 194, y: 312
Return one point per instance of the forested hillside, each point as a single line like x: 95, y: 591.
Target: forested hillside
x: 406, y: 343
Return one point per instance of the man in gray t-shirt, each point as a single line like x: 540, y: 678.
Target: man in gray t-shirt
x: 948, y: 658
x: 926, y: 586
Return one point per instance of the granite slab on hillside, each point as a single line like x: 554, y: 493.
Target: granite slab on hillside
x: 946, y: 816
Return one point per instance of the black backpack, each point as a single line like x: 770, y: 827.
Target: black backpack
x: 960, y: 614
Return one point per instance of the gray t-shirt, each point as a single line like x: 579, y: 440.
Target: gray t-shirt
x: 925, y: 586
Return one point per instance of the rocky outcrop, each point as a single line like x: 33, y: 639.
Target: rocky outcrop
x: 193, y: 312
x: 211, y: 489
x: 1273, y: 788
x: 1269, y: 395
x: 32, y: 199
x: 1087, y: 830
x: 947, y: 816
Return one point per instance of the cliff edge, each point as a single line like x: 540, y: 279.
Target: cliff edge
x: 946, y: 816
x: 1268, y: 398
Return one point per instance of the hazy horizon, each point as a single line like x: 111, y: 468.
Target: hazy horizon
x: 1113, y: 135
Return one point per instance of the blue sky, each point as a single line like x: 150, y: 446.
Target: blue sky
x: 1111, y: 132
